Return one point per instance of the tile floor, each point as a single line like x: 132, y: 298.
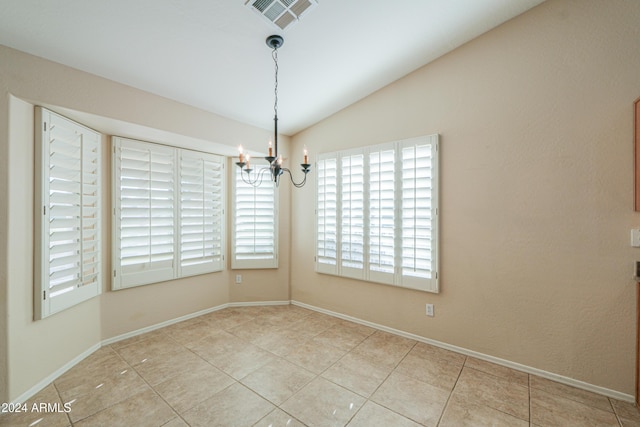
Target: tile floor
x: 288, y: 366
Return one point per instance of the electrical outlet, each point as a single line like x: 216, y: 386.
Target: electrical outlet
x: 635, y: 238
x: 430, y: 310
x: 238, y: 278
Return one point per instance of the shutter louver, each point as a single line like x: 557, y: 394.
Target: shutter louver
x: 352, y: 216
x: 69, y: 258
x: 327, y: 219
x: 201, y: 210
x: 255, y: 227
x: 382, y: 215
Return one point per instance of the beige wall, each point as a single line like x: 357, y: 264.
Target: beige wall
x: 111, y: 108
x: 535, y: 119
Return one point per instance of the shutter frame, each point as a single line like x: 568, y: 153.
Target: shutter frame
x: 68, y: 187
x: 254, y: 241
x: 327, y: 214
x: 163, y: 223
x: 393, y: 274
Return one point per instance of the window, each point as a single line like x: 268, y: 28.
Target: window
x: 377, y: 213
x: 168, y: 213
x: 255, y: 224
x: 68, y: 256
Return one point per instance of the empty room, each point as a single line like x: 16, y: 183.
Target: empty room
x: 319, y: 213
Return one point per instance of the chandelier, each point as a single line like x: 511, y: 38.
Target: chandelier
x: 275, y: 168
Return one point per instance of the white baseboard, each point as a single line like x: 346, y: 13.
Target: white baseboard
x: 257, y: 303
x: 507, y: 363
x: 162, y: 324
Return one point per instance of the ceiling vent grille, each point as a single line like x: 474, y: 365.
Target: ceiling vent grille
x: 282, y: 13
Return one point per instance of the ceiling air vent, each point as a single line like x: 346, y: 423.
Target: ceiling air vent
x: 282, y: 13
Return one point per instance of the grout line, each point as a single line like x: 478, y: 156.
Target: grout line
x: 446, y: 404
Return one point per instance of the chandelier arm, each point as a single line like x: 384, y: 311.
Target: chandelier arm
x: 258, y: 178
x: 296, y: 184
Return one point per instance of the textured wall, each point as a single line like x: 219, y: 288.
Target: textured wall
x: 110, y: 108
x: 536, y: 163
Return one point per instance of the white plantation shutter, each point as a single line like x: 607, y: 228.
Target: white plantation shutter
x: 419, y: 202
x: 327, y: 216
x: 68, y: 260
x: 382, y: 214
x: 168, y: 207
x: 352, y: 215
x: 387, y: 227
x: 255, y: 225
x: 201, y: 213
x: 144, y: 204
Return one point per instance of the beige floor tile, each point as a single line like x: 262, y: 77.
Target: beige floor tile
x: 155, y: 346
x: 185, y: 391
x: 102, y: 363
x: 553, y: 410
x: 322, y: 403
x: 429, y: 351
x: 99, y: 392
x: 357, y: 373
x: 463, y: 413
x: 313, y: 356
x: 385, y: 348
x: 569, y: 392
x: 512, y: 375
x: 234, y: 406
x: 278, y: 380
x: 628, y: 413
x: 497, y: 393
x: 363, y: 330
x: 312, y: 325
x: 228, y: 318
x: 217, y: 345
x: 437, y: 372
x: 137, y: 338
x: 344, y: 338
x: 162, y: 367
x: 278, y: 418
x: 43, y: 409
x: 146, y: 409
x: 416, y: 400
x: 187, y: 374
x: 176, y: 422
x: 279, y: 343
x: 253, y: 330
x: 373, y: 415
x: 243, y: 361
x: 190, y: 331
x: 282, y: 317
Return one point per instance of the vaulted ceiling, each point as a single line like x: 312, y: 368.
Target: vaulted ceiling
x: 211, y: 54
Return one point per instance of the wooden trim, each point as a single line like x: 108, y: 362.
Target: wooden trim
x: 636, y: 153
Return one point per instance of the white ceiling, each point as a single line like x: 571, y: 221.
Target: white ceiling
x: 211, y: 54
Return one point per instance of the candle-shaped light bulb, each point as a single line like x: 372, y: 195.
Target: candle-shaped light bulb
x: 241, y: 153
x: 306, y: 156
x: 270, y: 149
x: 280, y: 160
x: 248, y: 157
